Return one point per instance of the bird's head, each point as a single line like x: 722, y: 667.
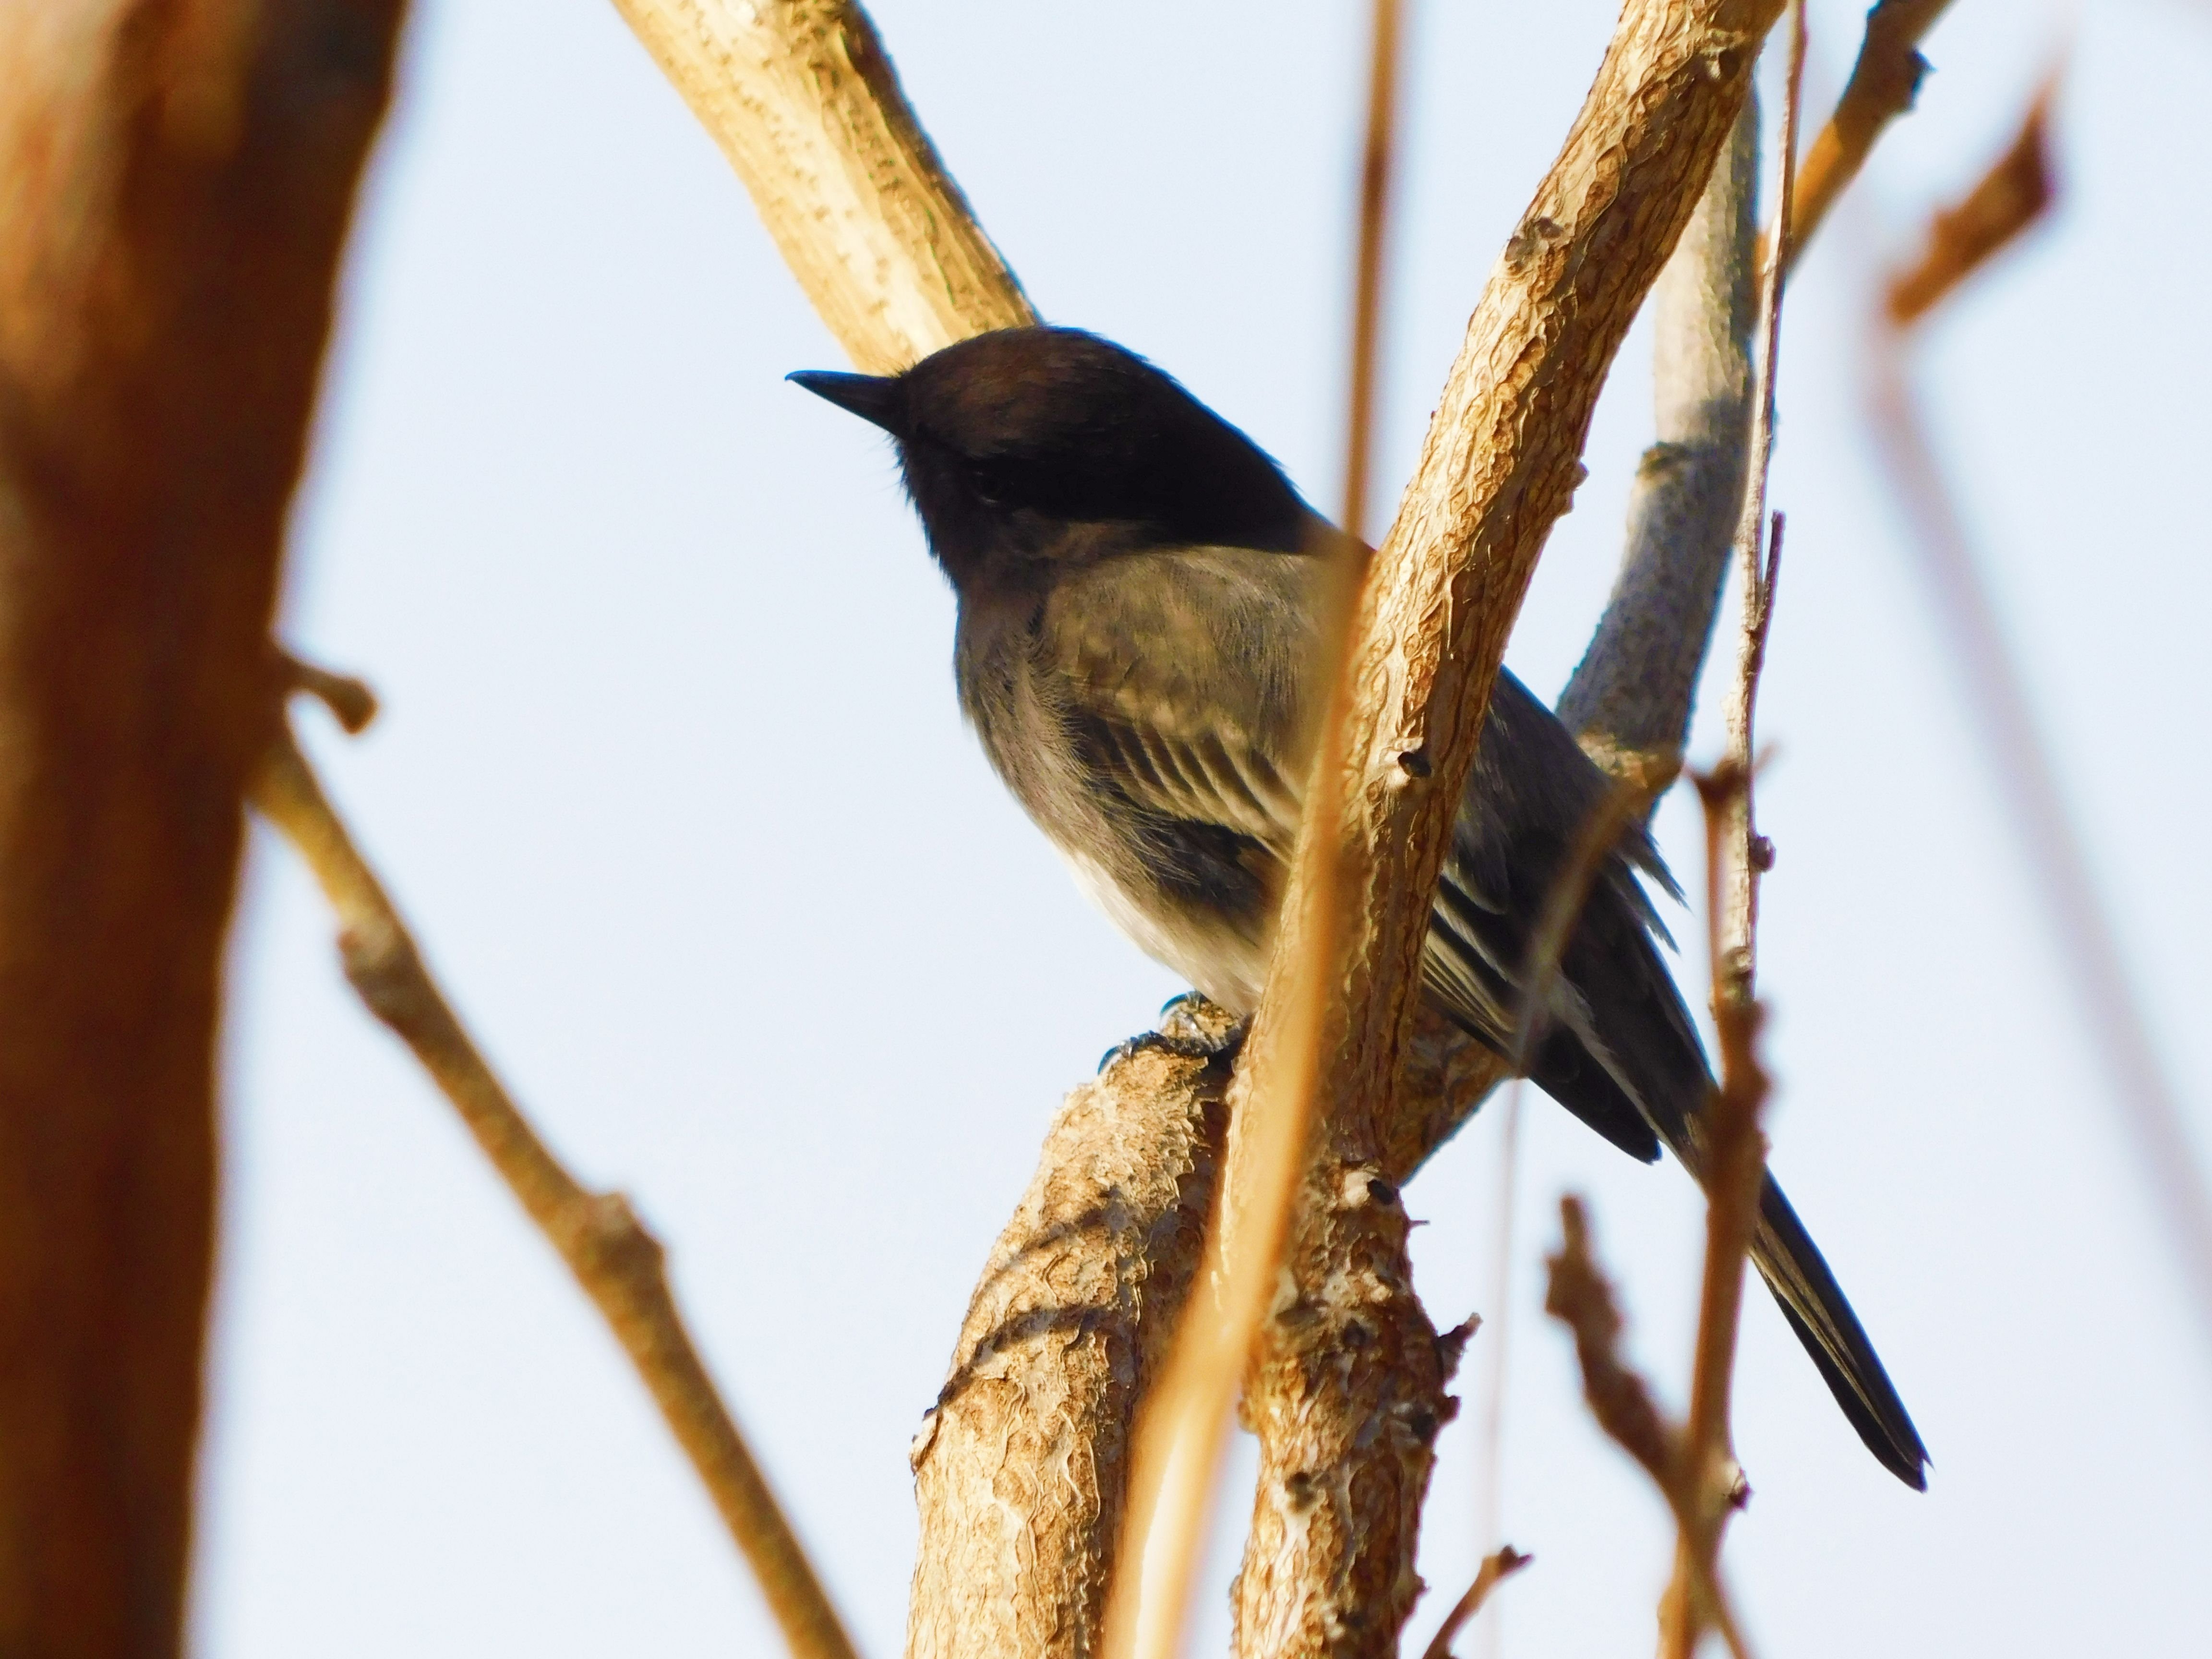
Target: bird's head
x: 1036, y: 446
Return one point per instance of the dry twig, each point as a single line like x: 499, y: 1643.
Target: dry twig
x: 2012, y: 196
x: 1749, y: 855
x: 2008, y: 201
x: 1578, y: 1294
x: 1178, y: 1450
x: 1885, y: 80
x: 616, y: 1261
x: 1500, y: 463
x: 1497, y: 1566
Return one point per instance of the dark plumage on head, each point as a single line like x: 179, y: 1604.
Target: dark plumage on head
x: 1010, y: 439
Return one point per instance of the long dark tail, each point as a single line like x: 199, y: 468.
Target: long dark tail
x: 1813, y: 1302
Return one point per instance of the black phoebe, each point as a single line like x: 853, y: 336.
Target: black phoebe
x: 1140, y: 651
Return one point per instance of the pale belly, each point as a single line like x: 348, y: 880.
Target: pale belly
x: 1219, y: 961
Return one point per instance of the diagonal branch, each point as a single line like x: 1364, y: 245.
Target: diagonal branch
x: 616, y: 1261
x: 1500, y: 464
x: 803, y: 101
x: 1885, y: 80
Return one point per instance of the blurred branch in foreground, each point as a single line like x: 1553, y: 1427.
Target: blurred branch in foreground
x: 2012, y: 196
x: 616, y: 1261
x: 176, y: 184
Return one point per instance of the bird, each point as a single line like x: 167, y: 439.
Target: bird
x: 1142, y: 648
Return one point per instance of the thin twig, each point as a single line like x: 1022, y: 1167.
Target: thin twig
x: 1497, y: 1566
x: 1578, y: 1294
x: 1375, y: 161
x: 1753, y: 855
x: 1885, y: 80
x: 2089, y: 951
x: 617, y: 1262
x: 1735, y: 1165
x: 1182, y: 1427
x: 1736, y: 855
x: 1497, y: 1340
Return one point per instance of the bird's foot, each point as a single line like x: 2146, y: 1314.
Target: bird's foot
x: 1193, y: 1029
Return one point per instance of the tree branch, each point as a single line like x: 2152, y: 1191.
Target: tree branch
x: 176, y: 181
x: 803, y: 101
x: 1629, y: 701
x: 1885, y: 80
x: 1021, y: 1466
x: 1578, y: 1294
x: 1499, y: 465
x: 617, y: 1262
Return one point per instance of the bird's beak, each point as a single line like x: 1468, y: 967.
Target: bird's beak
x: 875, y: 399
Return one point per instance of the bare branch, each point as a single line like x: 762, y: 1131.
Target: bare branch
x: 616, y: 1261
x: 176, y: 184
x: 1708, y: 1484
x: 1629, y: 701
x: 2012, y: 196
x: 1497, y: 1566
x: 1374, y: 168
x: 1022, y: 1466
x: 1578, y: 1294
x: 803, y: 101
x: 1500, y: 464
x: 1749, y: 855
x: 1885, y: 80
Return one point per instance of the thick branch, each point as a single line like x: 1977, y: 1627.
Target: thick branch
x: 1629, y: 701
x: 1500, y: 464
x: 175, y: 185
x: 1022, y: 1466
x: 803, y: 101
x: 616, y: 1261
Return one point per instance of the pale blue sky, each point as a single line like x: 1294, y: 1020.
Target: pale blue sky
x: 657, y: 640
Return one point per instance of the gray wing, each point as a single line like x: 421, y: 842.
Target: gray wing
x: 1615, y: 1045
x: 1177, y: 682
x: 1619, y: 1049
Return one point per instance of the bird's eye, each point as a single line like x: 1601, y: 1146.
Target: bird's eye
x: 991, y: 482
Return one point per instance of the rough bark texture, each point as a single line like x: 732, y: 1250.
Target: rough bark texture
x: 1629, y: 701
x: 804, y: 103
x: 1500, y: 464
x: 1021, y: 1467
x: 175, y: 181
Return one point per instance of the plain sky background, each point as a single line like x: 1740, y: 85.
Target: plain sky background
x: 671, y: 782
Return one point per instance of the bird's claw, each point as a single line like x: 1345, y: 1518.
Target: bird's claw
x: 1191, y: 1028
